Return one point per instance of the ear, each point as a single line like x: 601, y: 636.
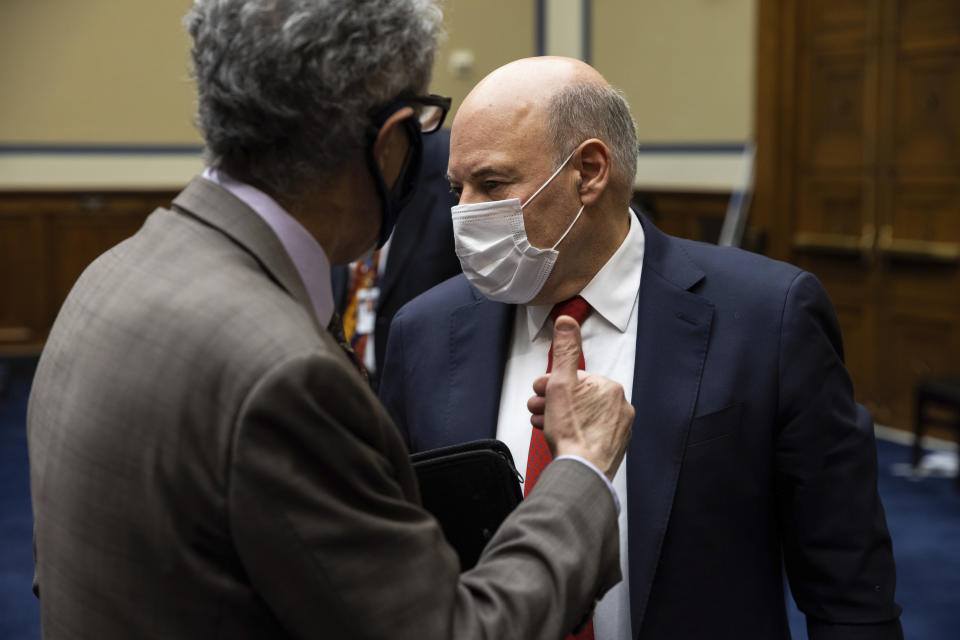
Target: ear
x: 594, y: 166
x: 390, y: 147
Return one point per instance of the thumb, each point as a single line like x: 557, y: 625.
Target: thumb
x: 566, y: 349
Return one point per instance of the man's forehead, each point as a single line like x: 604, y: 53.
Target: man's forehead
x: 486, y: 141
x: 503, y: 157
x: 475, y: 164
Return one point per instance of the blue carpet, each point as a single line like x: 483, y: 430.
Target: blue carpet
x: 924, y: 521
x: 19, y: 609
x: 923, y: 516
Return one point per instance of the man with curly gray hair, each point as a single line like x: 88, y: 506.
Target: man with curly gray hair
x: 206, y: 458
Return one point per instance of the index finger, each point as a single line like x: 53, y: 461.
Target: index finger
x: 540, y: 384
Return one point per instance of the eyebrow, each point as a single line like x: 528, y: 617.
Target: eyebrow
x: 482, y: 172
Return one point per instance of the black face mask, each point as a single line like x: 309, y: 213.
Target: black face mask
x: 394, y: 199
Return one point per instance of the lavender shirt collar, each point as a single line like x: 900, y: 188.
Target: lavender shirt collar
x: 305, y: 252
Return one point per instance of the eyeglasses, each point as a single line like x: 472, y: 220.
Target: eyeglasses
x: 430, y: 110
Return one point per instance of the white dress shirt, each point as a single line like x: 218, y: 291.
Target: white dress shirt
x: 609, y: 348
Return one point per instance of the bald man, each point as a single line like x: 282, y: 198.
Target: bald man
x: 749, y: 452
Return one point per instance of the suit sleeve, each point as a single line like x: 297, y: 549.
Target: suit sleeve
x: 837, y: 549
x: 323, y: 519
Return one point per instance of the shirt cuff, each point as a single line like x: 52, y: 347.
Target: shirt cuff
x: 613, y: 492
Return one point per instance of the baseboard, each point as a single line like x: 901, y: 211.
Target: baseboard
x: 906, y: 438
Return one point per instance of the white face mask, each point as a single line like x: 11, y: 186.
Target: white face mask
x: 494, y: 252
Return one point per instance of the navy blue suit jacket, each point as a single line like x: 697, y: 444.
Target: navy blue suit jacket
x: 748, y: 451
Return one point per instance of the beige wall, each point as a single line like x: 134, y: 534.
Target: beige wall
x: 686, y: 66
x: 491, y: 33
x: 101, y: 71
x: 116, y: 71
x: 109, y: 71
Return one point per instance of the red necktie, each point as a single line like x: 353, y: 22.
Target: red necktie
x: 539, y: 455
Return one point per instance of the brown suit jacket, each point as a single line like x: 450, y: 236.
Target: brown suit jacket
x: 206, y: 462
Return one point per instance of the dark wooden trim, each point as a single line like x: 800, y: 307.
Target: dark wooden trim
x: 763, y: 212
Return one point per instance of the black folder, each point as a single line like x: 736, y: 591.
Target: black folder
x: 470, y: 488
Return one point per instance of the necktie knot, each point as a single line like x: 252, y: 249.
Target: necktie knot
x: 576, y: 307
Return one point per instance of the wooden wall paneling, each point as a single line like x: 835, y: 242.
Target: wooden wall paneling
x: 919, y: 342
x: 766, y: 165
x: 839, y: 118
x: 922, y: 285
x: 46, y: 240
x: 22, y: 266
x: 859, y: 121
x: 791, y: 113
x: 921, y: 224
x: 86, y: 227
x: 839, y: 79
x: 835, y: 24
x: 834, y: 221
x: 928, y: 113
x: 835, y: 216
x: 777, y: 80
x: 924, y: 223
x: 926, y: 67
x: 834, y: 207
x: 928, y: 23
x: 918, y: 246
x: 886, y: 395
x: 919, y: 264
x: 693, y: 215
x: 886, y: 133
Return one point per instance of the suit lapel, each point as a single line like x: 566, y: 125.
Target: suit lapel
x: 409, y: 232
x: 479, y: 343
x: 217, y: 207
x: 403, y: 241
x: 673, y: 332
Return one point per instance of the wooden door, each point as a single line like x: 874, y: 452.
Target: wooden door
x: 859, y: 177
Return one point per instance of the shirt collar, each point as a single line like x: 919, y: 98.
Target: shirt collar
x: 305, y: 252
x: 613, y: 289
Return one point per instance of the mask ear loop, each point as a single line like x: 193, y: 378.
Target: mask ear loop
x: 549, y: 180
x: 568, y: 228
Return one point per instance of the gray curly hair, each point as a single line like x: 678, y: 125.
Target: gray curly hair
x: 286, y: 87
x: 578, y: 112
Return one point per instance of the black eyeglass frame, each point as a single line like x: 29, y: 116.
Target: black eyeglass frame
x: 378, y: 116
x: 431, y: 100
